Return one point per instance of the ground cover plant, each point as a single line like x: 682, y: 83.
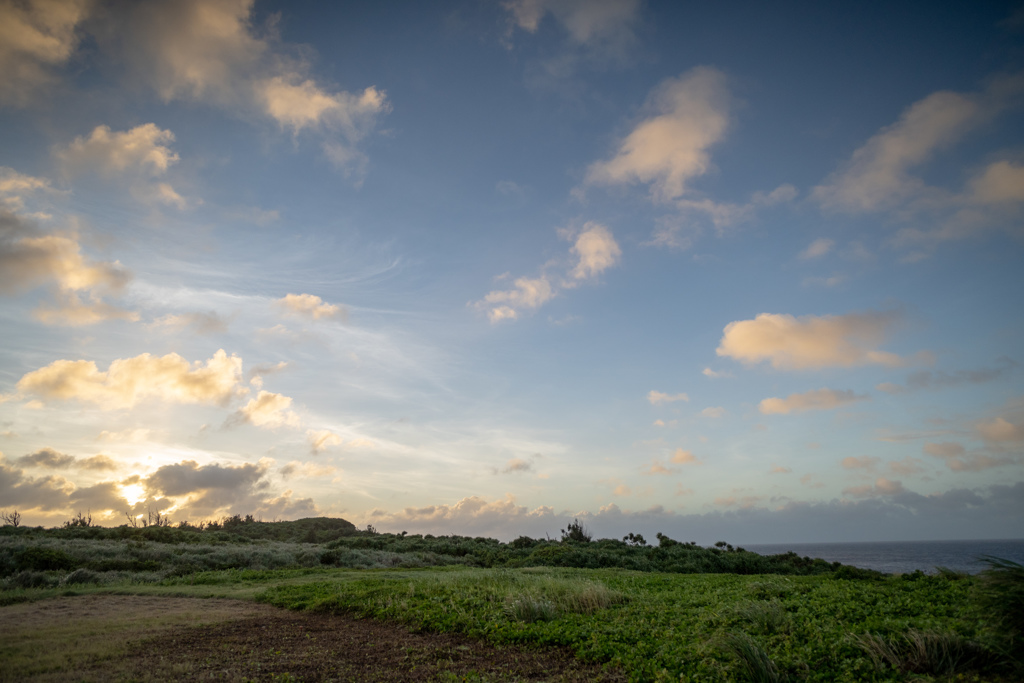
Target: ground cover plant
x: 670, y: 611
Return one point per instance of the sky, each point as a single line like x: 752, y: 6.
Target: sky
x: 748, y: 273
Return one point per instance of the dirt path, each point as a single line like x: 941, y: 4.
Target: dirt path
x: 137, y: 638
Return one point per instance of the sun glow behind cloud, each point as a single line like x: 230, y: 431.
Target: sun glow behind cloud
x: 577, y: 259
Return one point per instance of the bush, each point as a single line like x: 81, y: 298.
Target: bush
x: 30, y: 579
x: 80, y: 576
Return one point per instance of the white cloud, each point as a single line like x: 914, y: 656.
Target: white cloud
x: 817, y: 248
x: 311, y: 306
x: 130, y: 380
x: 819, y: 399
x: 713, y: 412
x: 878, y: 175
x: 597, y: 251
x: 528, y: 293
x: 269, y: 410
x: 1001, y: 430
x: 209, y: 50
x: 141, y: 149
x: 714, y: 374
x: 15, y: 186
x: 999, y: 183
x: 657, y: 397
x: 594, y: 250
x: 684, y: 457
x: 36, y: 37
x: 29, y: 258
x: 140, y: 155
x: 670, y: 147
x: 811, y: 342
x: 881, y: 174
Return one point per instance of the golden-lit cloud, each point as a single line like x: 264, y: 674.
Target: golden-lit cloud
x: 684, y: 457
x: 878, y: 175
x: 959, y: 460
x: 811, y: 342
x: 209, y: 50
x: 1000, y: 182
x: 140, y: 156
x: 1001, y: 430
x: 311, y: 306
x: 299, y: 105
x: 322, y: 439
x: 596, y: 249
x: 142, y: 149
x: 30, y: 258
x: 883, y: 174
x: 819, y: 399
x: 128, y: 381
x: 269, y: 410
x: 670, y: 147
x: 528, y: 293
x: 714, y: 412
x: 36, y: 38
x: 656, y: 468
x: 658, y: 397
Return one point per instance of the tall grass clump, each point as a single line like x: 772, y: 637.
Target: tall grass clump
x: 999, y: 595
x: 917, y: 652
x: 753, y: 662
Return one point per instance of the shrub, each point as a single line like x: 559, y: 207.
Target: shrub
x: 80, y: 576
x: 30, y: 579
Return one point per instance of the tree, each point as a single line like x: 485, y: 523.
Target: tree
x: 12, y: 518
x: 576, y: 532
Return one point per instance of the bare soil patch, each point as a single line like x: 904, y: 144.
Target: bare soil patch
x: 130, y: 638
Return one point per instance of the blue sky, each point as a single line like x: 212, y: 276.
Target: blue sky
x: 484, y: 267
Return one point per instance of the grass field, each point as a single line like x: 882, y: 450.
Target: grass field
x: 649, y: 626
x: 624, y: 609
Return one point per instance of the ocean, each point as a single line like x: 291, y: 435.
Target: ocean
x: 898, y: 557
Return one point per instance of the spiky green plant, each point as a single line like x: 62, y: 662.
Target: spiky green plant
x: 754, y: 663
x: 999, y: 595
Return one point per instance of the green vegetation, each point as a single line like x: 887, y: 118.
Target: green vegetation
x: 158, y: 550
x: 675, y: 611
